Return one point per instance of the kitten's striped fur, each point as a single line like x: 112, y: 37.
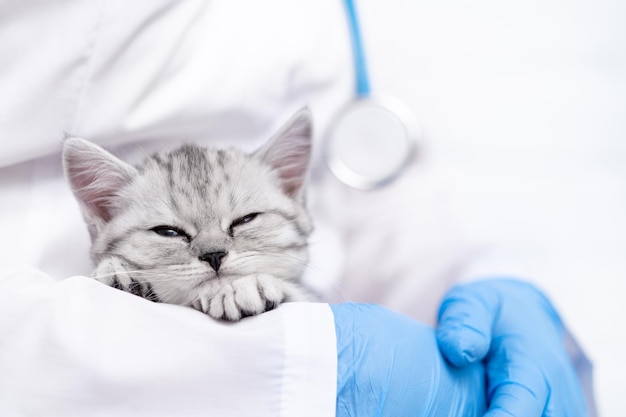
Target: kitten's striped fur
x: 220, y: 230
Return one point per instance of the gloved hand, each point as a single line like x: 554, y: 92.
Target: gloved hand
x: 389, y: 365
x: 512, y: 327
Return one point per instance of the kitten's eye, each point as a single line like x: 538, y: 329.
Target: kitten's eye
x: 243, y: 220
x: 170, y: 231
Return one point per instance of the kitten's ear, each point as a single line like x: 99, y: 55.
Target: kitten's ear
x: 95, y: 176
x: 288, y: 153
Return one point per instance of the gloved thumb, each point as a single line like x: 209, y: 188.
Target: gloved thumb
x: 466, y: 317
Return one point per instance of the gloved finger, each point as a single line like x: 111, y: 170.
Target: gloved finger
x: 567, y: 398
x: 511, y: 400
x: 466, y: 317
x: 517, y: 386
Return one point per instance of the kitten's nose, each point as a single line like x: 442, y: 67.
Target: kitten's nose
x: 214, y: 259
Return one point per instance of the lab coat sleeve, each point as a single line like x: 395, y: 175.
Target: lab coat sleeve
x: 79, y: 348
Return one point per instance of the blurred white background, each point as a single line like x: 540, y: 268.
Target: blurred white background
x: 524, y: 106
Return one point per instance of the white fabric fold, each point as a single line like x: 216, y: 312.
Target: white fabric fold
x: 79, y: 348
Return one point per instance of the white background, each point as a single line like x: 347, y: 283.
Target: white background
x: 524, y: 109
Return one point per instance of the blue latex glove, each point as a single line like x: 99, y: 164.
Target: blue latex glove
x: 390, y: 365
x: 513, y: 328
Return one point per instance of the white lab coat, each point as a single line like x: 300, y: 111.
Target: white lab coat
x: 144, y: 75
x: 136, y: 77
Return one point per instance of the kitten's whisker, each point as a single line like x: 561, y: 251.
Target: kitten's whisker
x: 117, y: 273
x: 340, y: 290
x: 159, y: 274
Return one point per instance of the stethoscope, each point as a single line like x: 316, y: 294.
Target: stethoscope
x: 372, y: 139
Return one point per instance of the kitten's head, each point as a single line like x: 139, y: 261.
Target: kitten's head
x: 194, y: 215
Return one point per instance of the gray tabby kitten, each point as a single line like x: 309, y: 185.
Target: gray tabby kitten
x: 219, y: 230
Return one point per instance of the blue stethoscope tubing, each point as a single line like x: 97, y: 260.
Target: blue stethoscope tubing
x: 363, y: 88
x: 353, y: 153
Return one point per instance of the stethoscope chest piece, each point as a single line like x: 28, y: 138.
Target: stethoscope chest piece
x: 372, y: 139
x: 370, y: 142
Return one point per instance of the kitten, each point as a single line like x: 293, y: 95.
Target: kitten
x: 219, y: 230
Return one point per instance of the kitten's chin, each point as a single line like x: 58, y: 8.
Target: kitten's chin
x: 210, y: 278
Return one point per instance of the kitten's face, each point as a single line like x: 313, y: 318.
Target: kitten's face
x: 191, y: 219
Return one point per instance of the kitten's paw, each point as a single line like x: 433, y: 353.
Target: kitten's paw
x: 245, y: 297
x: 112, y: 272
x: 257, y: 294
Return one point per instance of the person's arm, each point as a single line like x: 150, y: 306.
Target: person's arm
x: 530, y: 358
x: 80, y: 348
